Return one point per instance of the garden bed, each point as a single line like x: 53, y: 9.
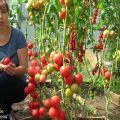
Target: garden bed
x: 98, y: 103
x: 115, y: 98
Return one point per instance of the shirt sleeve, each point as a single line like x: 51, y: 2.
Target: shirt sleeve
x: 21, y: 42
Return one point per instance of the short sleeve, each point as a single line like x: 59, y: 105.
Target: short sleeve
x: 21, y: 42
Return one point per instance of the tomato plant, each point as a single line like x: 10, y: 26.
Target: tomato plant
x: 65, y: 30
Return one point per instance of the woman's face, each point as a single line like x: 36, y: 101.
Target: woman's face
x: 3, y: 14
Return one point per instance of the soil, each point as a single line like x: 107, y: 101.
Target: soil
x: 23, y: 113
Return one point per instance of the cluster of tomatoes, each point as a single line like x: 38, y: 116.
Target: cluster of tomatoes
x: 39, y: 70
x: 72, y: 34
x: 62, y: 12
x: 104, y: 72
x: 104, y: 34
x: 95, y: 14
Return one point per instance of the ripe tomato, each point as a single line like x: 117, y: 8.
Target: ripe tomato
x: 55, y: 101
x: 69, y: 80
x: 30, y: 45
x: 35, y: 113
x: 42, y: 112
x: 65, y: 71
x: 58, y: 59
x: 61, y: 115
x: 34, y: 94
x: 26, y: 90
x: 46, y: 103
x: 79, y: 78
x: 35, y: 53
x: 62, y: 2
x: 31, y: 86
x: 56, y: 67
x: 29, y: 53
x: 107, y: 75
x: 53, y: 112
x: 62, y: 13
x: 33, y: 62
x: 6, y: 60
x: 33, y: 104
x: 31, y: 71
x: 43, y: 60
x: 103, y: 71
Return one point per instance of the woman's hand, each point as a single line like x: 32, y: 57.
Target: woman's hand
x: 10, y: 69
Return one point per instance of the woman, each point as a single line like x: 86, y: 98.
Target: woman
x: 12, y: 78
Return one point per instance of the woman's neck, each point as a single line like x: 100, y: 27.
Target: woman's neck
x: 4, y: 30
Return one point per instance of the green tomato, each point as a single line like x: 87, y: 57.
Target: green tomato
x: 25, y: 1
x: 28, y: 6
x: 68, y: 2
x: 68, y: 92
x: 50, y: 67
x: 74, y: 88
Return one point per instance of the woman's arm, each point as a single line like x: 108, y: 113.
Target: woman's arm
x: 23, y: 61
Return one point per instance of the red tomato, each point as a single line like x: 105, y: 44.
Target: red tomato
x: 61, y: 115
x: 38, y: 69
x: 69, y: 80
x: 62, y: 2
x: 33, y: 62
x: 79, y: 78
x: 65, y: 71
x: 30, y: 45
x: 6, y: 60
x: 26, y: 90
x: 46, y: 103
x: 56, y: 67
x: 33, y: 104
x: 103, y: 71
x: 68, y: 56
x: 35, y: 113
x: 107, y: 75
x: 34, y: 94
x: 58, y: 59
x: 29, y: 53
x: 31, y: 86
x: 43, y: 60
x: 53, y: 112
x: 55, y: 101
x: 31, y: 71
x: 42, y: 112
x: 62, y: 13
x: 35, y: 53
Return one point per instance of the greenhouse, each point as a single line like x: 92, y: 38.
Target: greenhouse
x: 59, y: 60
